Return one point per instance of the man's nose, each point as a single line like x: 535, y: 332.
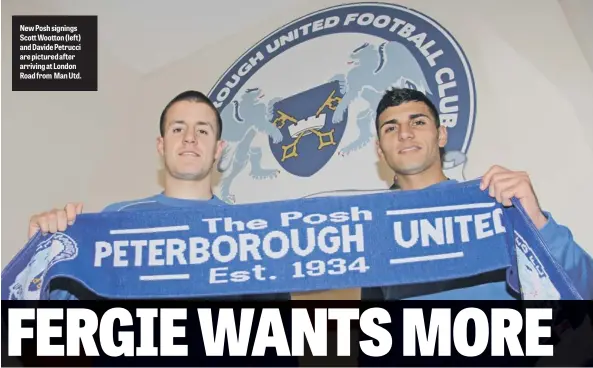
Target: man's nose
x: 405, y: 132
x: 189, y: 136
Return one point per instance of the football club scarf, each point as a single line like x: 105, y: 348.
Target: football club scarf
x: 322, y: 243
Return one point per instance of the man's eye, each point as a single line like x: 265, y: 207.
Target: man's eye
x: 202, y: 131
x: 176, y: 130
x: 419, y: 122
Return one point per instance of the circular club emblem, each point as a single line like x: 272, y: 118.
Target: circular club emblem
x: 308, y: 91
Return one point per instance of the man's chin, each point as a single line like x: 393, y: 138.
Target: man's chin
x: 190, y: 175
x: 410, y: 169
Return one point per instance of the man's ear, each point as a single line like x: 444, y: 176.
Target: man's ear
x: 220, y: 146
x: 160, y: 146
x: 379, y: 150
x: 442, y: 136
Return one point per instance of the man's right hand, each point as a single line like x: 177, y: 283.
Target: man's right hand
x: 54, y: 220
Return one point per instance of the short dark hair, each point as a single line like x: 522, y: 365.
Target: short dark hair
x: 398, y: 96
x: 194, y: 96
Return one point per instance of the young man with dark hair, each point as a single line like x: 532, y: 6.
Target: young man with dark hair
x: 411, y: 141
x: 189, y: 143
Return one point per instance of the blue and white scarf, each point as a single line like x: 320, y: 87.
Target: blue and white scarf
x: 323, y: 243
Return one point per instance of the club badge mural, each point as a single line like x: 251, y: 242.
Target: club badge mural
x: 304, y: 96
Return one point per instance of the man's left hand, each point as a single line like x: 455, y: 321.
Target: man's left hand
x: 504, y: 184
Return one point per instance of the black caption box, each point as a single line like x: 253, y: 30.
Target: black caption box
x: 568, y: 322
x: 54, y: 53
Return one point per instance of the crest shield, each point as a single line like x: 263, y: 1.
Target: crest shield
x: 310, y: 139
